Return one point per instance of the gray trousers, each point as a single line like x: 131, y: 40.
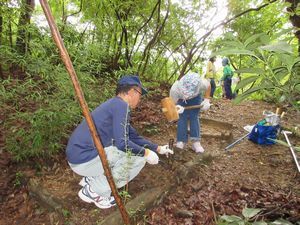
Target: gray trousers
x: 124, y: 168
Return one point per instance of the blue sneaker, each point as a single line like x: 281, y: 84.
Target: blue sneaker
x: 89, y: 196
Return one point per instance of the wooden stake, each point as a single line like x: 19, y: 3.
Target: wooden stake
x: 69, y: 66
x: 278, y: 111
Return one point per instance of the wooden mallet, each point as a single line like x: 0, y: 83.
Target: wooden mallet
x: 170, y: 111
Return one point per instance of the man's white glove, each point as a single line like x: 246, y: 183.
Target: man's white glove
x: 205, y: 104
x: 179, y: 109
x: 165, y: 150
x: 151, y: 157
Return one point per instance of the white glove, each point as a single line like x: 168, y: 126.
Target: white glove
x: 205, y: 104
x: 165, y: 150
x: 180, y: 109
x: 151, y: 157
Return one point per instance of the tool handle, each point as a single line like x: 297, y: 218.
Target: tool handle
x: 278, y: 111
x: 193, y: 107
x: 171, y: 143
x: 237, y: 141
x: 164, y: 110
x: 292, y: 150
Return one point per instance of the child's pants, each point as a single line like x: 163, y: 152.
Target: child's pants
x: 189, y: 115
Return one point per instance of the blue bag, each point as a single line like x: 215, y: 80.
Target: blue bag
x: 261, y: 133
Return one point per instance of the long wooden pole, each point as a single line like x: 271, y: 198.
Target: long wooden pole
x: 69, y: 66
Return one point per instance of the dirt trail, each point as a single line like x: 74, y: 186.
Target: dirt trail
x: 248, y: 175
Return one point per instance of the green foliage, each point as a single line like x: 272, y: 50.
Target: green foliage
x: 271, y: 67
x: 41, y: 108
x: 247, y: 213
x: 256, y: 22
x: 285, y: 144
x: 150, y: 129
x: 66, y: 213
x: 125, y: 195
x: 248, y: 218
x: 39, y: 123
x: 134, y: 213
x: 18, y: 179
x: 109, y: 38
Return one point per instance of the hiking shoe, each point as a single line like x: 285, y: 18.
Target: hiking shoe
x: 87, y: 195
x: 197, y: 147
x: 180, y: 145
x: 84, y: 181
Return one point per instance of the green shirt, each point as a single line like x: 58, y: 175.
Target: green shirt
x: 227, y: 72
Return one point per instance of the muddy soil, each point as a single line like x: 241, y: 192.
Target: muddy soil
x: 248, y: 175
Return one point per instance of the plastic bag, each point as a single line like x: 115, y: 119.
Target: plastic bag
x: 260, y: 134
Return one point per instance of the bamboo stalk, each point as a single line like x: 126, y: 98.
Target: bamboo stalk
x: 69, y: 66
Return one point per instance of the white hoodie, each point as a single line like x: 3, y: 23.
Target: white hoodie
x: 188, y: 87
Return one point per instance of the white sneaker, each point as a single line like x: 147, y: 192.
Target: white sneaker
x: 180, y: 145
x: 197, y: 147
x: 87, y: 195
x: 84, y: 181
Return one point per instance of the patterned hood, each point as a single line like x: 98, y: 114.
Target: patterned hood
x: 189, y: 85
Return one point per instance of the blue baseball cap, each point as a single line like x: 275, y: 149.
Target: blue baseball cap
x: 132, y: 80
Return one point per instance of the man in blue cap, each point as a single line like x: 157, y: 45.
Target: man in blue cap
x: 126, y: 151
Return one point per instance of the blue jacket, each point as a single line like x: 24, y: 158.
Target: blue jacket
x: 112, y: 123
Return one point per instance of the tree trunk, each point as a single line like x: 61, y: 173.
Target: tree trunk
x: 146, y: 54
x: 124, y: 35
x: 1, y: 26
x: 22, y: 36
x: 118, y: 52
x: 10, y: 34
x: 295, y: 19
x: 142, y: 27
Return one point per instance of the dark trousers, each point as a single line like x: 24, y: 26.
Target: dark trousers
x: 227, y: 86
x: 213, y: 87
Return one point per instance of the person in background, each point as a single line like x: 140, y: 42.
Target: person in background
x: 187, y: 92
x: 227, y: 78
x: 223, y: 89
x: 211, y: 75
x: 126, y: 151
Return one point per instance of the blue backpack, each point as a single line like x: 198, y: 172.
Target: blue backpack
x: 260, y: 134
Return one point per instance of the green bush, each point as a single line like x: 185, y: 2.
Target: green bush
x: 41, y: 113
x: 270, y: 68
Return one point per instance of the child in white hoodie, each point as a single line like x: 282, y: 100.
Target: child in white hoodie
x: 188, y: 91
